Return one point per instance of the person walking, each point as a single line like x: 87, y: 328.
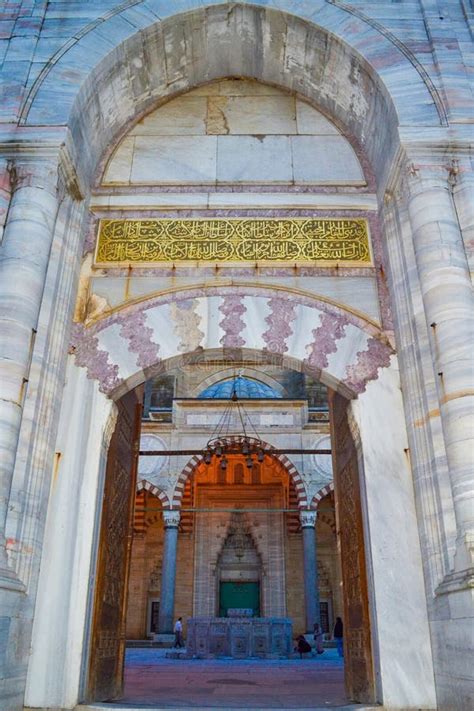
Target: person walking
x: 318, y: 638
x: 338, y: 635
x: 178, y: 632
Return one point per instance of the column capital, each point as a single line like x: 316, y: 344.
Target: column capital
x: 308, y: 518
x: 439, y: 173
x: 29, y: 172
x: 171, y: 518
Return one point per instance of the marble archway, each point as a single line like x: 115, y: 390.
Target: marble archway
x: 363, y: 378
x: 344, y: 348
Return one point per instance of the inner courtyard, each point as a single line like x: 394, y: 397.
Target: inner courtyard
x: 240, y: 534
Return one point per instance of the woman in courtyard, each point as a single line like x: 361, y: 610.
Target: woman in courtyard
x: 318, y: 638
x: 338, y: 635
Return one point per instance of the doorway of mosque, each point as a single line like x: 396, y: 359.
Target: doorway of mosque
x: 239, y: 595
x: 204, y: 539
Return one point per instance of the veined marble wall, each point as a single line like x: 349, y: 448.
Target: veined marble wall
x: 393, y: 78
x: 234, y: 131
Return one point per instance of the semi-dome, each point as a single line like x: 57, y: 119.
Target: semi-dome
x: 244, y: 387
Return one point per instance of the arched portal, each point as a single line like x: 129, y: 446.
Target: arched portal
x: 284, y: 461
x: 120, y: 344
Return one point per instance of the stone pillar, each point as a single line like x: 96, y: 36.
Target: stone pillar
x: 448, y: 303
x: 168, y: 572
x: 24, y: 257
x: 310, y: 568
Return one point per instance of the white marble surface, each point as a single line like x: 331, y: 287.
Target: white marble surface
x: 256, y: 129
x: 172, y: 159
x: 325, y: 159
x: 398, y: 606
x: 62, y: 611
x: 183, y: 116
x: 250, y: 159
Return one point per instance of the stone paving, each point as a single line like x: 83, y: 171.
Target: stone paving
x: 153, y: 680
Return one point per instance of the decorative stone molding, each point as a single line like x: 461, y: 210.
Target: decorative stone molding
x: 279, y: 325
x: 85, y: 347
x: 140, y: 340
x: 376, y: 356
x: 232, y: 325
x: 331, y: 330
x: 308, y: 518
x: 171, y: 518
x: 187, y: 325
x: 242, y: 329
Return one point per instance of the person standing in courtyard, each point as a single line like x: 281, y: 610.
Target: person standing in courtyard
x: 178, y: 632
x: 318, y: 638
x: 338, y: 635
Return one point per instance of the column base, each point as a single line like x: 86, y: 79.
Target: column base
x: 10, y: 581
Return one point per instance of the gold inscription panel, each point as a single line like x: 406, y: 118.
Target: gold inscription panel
x: 325, y: 241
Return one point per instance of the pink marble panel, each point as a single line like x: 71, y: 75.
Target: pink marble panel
x: 279, y: 321
x: 232, y: 323
x: 139, y: 336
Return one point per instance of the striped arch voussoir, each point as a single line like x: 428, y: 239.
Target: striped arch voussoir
x: 145, y: 485
x: 282, y: 458
x: 321, y: 494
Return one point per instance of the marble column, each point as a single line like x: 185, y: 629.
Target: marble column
x: 310, y: 569
x: 168, y: 572
x: 24, y: 258
x: 448, y: 303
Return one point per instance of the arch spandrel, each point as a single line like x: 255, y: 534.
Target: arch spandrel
x: 94, y: 94
x: 342, y: 349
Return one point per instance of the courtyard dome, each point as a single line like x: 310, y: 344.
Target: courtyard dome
x: 245, y: 388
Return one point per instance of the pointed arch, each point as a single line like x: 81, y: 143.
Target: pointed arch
x: 145, y: 485
x: 328, y: 489
x: 286, y: 463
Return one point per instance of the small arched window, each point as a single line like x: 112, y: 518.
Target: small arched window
x: 256, y: 474
x: 239, y: 473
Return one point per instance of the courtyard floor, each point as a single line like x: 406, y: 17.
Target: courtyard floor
x: 155, y: 681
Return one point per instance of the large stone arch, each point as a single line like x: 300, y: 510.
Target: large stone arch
x: 119, y: 350
x: 286, y: 463
x: 155, y: 59
x: 106, y: 96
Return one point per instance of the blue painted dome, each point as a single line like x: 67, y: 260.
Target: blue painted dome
x: 245, y: 389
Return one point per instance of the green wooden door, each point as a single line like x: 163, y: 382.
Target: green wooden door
x: 232, y: 595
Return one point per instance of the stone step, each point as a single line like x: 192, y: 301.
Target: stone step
x: 142, y: 707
